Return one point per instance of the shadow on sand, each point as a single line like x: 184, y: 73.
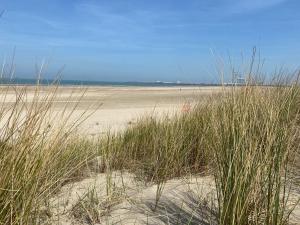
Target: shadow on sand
x: 190, y: 211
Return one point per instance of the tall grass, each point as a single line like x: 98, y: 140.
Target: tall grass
x: 159, y: 149
x: 252, y: 135
x: 245, y: 137
x: 35, y: 156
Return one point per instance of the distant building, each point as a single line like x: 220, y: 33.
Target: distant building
x: 238, y: 80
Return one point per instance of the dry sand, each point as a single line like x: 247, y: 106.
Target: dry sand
x: 120, y: 106
x: 114, y: 108
x: 121, y: 199
x: 187, y: 200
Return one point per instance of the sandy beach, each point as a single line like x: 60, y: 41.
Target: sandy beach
x: 117, y: 107
x: 185, y: 200
x: 114, y: 108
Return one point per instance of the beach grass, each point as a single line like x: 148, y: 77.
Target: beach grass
x: 246, y: 137
x: 252, y: 136
x: 36, y: 158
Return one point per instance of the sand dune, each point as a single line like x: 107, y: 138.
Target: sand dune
x: 188, y: 200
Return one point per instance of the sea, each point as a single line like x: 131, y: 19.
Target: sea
x: 25, y: 81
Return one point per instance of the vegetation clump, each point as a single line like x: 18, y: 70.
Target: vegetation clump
x: 246, y: 137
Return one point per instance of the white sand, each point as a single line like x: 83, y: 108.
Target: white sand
x: 183, y: 201
x: 112, y: 108
x: 189, y: 200
x: 123, y: 105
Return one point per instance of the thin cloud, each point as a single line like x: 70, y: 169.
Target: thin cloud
x: 247, y: 6
x: 30, y: 20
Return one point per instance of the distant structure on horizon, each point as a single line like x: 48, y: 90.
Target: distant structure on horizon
x: 238, y: 80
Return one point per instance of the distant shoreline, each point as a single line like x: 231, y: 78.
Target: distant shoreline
x: 25, y: 82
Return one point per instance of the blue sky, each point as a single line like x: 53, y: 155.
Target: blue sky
x: 143, y: 40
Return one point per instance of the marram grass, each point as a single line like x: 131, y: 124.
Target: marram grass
x: 247, y: 137
x: 252, y: 136
x: 35, y: 158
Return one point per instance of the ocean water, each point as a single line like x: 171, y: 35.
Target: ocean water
x: 22, y: 81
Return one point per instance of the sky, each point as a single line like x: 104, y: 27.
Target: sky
x: 143, y: 40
